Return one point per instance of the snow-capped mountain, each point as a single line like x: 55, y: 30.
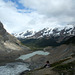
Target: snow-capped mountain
x: 24, y: 34
x: 68, y: 30
x: 62, y: 32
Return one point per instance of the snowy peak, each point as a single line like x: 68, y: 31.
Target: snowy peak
x: 68, y: 30
x: 24, y: 34
x: 47, y: 32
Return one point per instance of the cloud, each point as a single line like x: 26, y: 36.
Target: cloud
x: 59, y: 9
x: 10, y: 16
x: 50, y: 7
x: 21, y: 15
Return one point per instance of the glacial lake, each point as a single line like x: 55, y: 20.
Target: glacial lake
x: 17, y: 67
x: 24, y: 57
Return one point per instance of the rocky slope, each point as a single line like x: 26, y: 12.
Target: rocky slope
x: 10, y: 47
x: 56, y: 54
x: 63, y: 54
x: 58, y: 69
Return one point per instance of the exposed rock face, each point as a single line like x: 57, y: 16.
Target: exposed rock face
x: 10, y: 47
x: 56, y: 54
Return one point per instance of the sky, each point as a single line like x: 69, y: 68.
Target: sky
x: 23, y: 15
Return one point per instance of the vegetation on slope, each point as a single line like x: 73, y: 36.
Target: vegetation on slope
x: 66, y: 69
x: 36, y: 44
x: 70, y: 40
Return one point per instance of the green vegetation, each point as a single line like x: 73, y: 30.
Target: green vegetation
x: 36, y: 44
x: 68, y: 68
x: 71, y: 40
x: 31, y: 45
x: 29, y: 73
x: 44, y: 42
x: 35, y: 48
x: 59, y: 62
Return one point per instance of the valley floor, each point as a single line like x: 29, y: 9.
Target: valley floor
x: 57, y: 68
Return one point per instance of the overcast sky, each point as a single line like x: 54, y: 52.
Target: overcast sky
x: 22, y: 15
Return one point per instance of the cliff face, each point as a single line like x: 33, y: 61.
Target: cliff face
x: 10, y: 47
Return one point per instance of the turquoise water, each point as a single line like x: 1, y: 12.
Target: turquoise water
x: 24, y: 57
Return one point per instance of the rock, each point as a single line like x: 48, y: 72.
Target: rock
x: 10, y: 47
x: 24, y: 72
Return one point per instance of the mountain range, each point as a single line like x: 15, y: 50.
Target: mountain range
x: 68, y: 30
x: 46, y: 36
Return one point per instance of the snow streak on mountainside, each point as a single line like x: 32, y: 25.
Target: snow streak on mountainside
x: 68, y: 30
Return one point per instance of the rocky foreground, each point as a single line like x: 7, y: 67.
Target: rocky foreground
x: 59, y: 57
x: 62, y: 67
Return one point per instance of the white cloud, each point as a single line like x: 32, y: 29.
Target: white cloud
x: 59, y: 9
x: 50, y: 7
x: 12, y: 19
x: 48, y: 13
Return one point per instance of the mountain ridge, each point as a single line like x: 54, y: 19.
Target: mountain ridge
x: 10, y: 47
x: 47, y: 32
x: 49, y: 37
